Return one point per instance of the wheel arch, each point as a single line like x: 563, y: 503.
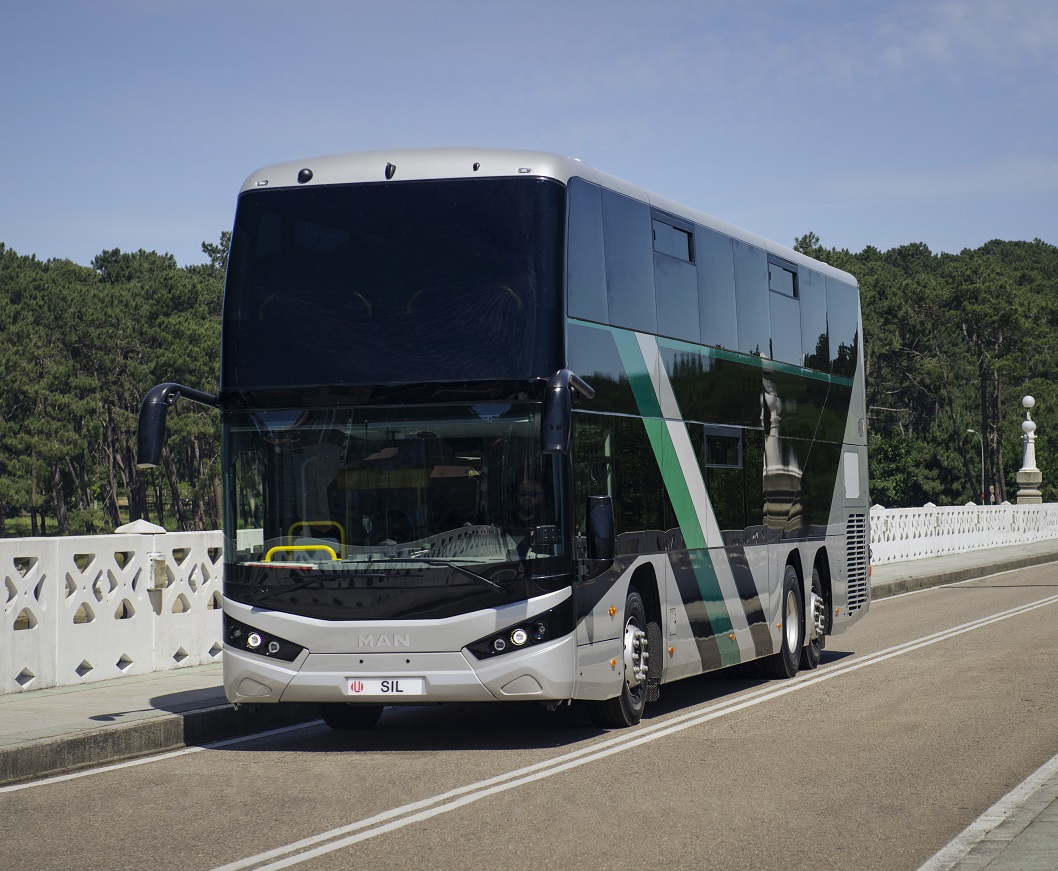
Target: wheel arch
x: 645, y: 580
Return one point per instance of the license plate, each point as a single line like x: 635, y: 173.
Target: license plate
x: 369, y: 687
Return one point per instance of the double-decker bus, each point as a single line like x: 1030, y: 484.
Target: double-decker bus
x: 499, y: 426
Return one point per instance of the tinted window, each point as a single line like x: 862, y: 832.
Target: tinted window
x: 719, y: 452
x: 629, y: 263
x: 676, y: 285
x: 815, y: 343
x: 613, y: 455
x: 843, y: 316
x: 672, y: 240
x: 723, y: 447
x: 751, y: 298
x: 395, y: 282
x: 785, y: 329
x: 716, y: 289
x: 782, y: 279
x: 593, y: 355
x: 585, y: 258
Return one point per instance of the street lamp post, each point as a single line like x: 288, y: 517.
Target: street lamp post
x: 982, y: 441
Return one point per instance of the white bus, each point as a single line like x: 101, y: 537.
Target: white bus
x: 499, y: 426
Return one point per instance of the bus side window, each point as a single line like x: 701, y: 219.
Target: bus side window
x: 586, y: 260
x: 629, y: 263
x: 592, y: 463
x: 675, y: 280
x: 725, y: 476
x: 815, y: 339
x: 716, y: 289
x: 751, y: 298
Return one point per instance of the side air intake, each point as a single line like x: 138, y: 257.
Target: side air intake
x: 858, y: 562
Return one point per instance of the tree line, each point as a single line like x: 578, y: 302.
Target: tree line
x: 952, y: 343
x: 79, y: 348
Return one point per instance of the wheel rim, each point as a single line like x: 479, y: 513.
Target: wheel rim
x: 635, y: 655
x: 793, y: 625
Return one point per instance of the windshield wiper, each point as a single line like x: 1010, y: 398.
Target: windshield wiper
x: 434, y: 561
x: 262, y: 592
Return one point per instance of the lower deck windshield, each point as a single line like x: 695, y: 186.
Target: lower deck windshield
x: 360, y: 504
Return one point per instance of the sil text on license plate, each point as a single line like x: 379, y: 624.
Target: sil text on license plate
x: 374, y: 687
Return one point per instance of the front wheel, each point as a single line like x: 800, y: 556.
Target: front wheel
x: 627, y: 708
x: 785, y: 663
x: 339, y: 715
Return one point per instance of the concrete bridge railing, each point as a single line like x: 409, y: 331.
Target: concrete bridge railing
x: 80, y: 609
x: 899, y: 534
x: 90, y: 608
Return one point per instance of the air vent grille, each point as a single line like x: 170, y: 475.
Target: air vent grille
x: 857, y: 560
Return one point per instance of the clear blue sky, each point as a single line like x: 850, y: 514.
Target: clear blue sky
x: 132, y: 124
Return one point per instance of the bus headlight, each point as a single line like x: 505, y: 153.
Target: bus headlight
x: 243, y: 637
x: 541, y: 628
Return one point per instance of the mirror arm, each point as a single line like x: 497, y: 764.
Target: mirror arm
x: 153, y: 410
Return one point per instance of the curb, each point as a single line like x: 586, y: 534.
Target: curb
x: 104, y: 746
x: 908, y: 584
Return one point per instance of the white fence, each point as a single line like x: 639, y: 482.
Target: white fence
x: 95, y: 607
x: 899, y: 534
x: 89, y: 608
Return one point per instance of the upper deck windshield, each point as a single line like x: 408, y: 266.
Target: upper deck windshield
x: 368, y: 513
x: 395, y: 283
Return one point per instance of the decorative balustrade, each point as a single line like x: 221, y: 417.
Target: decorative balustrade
x: 899, y: 534
x: 89, y: 608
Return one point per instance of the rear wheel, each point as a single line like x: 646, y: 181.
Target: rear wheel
x: 339, y: 715
x: 627, y: 708
x: 785, y: 663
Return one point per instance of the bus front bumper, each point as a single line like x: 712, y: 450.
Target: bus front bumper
x: 545, y: 672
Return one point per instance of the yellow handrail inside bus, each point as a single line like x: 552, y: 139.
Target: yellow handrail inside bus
x: 293, y: 547
x: 319, y: 523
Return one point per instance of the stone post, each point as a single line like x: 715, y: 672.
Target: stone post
x: 1029, y: 478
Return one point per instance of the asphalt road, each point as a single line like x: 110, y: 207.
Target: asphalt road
x: 932, y: 708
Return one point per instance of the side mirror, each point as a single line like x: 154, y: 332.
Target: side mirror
x: 153, y: 410
x: 558, y: 410
x: 601, y: 537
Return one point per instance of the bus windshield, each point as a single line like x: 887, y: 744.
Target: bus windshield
x: 453, y: 496
x: 387, y: 282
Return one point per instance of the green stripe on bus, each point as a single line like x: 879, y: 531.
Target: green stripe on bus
x: 679, y: 494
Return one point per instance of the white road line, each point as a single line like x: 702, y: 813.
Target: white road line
x: 400, y: 817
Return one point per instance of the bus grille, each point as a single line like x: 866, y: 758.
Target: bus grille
x: 856, y: 554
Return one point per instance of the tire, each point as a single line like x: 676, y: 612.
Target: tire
x: 627, y: 709
x: 812, y: 652
x: 784, y: 664
x: 339, y: 715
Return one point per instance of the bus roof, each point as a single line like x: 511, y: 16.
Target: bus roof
x: 418, y: 164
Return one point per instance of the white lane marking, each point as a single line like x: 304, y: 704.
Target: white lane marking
x: 977, y: 831
x: 158, y: 757
x: 397, y: 818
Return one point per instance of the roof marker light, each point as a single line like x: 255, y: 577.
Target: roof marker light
x: 304, y: 176
x: 391, y: 170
